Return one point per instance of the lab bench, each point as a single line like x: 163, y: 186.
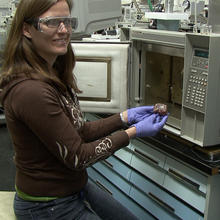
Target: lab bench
x: 159, y: 178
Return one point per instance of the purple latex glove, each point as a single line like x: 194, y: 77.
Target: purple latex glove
x: 151, y: 125
x: 139, y: 113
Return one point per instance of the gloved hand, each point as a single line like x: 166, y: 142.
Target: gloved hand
x: 151, y: 125
x: 139, y: 113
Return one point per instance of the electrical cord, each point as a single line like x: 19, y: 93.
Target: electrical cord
x: 150, y: 5
x: 203, y: 159
x: 138, y: 8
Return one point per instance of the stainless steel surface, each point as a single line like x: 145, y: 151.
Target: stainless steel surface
x: 166, y: 50
x: 214, y: 15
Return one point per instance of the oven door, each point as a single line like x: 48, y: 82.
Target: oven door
x: 101, y: 72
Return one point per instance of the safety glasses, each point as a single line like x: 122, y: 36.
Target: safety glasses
x: 51, y: 23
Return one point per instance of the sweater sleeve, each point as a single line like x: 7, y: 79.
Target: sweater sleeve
x: 36, y: 104
x: 101, y: 127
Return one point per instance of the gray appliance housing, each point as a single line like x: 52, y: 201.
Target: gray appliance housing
x: 199, y: 118
x: 200, y: 115
x: 214, y: 15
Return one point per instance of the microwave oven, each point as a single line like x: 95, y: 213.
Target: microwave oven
x: 178, y: 69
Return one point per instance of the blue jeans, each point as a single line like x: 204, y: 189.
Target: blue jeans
x: 92, y: 204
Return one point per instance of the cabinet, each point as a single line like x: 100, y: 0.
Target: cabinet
x: 186, y: 183
x: 104, y: 183
x: 176, y: 199
x: 166, y: 205
x: 158, y: 184
x: 148, y: 161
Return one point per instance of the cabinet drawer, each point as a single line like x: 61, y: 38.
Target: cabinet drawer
x: 124, y: 154
x: 118, y: 166
x: 148, y: 202
x: 148, y: 161
x: 186, y: 183
x: 125, y: 200
x: 164, y: 199
x: 113, y: 177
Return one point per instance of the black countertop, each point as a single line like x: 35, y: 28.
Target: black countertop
x: 206, y: 160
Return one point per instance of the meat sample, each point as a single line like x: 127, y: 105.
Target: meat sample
x: 160, y: 108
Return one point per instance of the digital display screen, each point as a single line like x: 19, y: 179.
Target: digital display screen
x: 201, y: 53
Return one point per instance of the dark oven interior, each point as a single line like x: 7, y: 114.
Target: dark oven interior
x: 163, y: 76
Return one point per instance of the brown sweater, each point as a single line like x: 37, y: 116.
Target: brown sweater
x: 53, y: 145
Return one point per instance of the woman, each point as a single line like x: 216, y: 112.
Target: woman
x: 53, y: 145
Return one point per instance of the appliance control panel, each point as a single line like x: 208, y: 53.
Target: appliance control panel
x: 196, y: 85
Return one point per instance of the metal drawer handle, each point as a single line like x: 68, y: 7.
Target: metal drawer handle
x: 108, y: 164
x: 181, y: 178
x: 161, y: 203
x: 137, y: 152
x: 103, y: 187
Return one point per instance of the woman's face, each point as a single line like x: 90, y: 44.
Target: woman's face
x: 51, y: 42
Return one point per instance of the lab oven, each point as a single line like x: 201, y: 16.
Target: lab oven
x: 181, y: 70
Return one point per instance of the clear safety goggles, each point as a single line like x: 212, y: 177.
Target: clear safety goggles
x: 51, y: 23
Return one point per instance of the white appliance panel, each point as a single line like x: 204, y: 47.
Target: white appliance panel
x: 102, y: 73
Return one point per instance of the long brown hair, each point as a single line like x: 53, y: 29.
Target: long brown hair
x: 20, y: 57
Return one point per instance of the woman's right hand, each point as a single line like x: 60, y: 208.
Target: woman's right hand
x: 149, y: 126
